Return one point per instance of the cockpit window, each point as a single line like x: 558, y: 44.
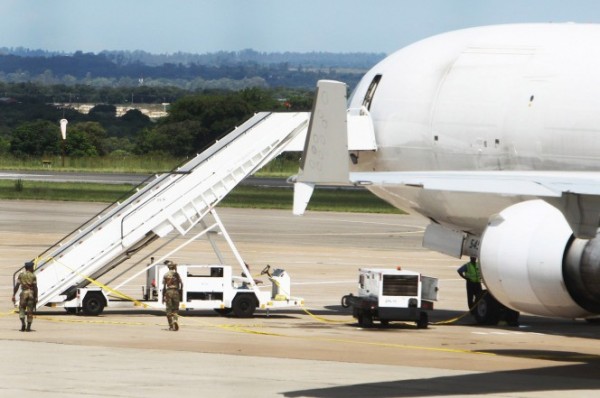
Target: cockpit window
x: 371, y: 92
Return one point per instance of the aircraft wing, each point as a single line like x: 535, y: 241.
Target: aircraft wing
x: 575, y: 194
x: 530, y: 183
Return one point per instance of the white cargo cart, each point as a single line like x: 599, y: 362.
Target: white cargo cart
x: 386, y: 295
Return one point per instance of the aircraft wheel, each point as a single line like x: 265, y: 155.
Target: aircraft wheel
x: 487, y: 311
x: 511, y: 317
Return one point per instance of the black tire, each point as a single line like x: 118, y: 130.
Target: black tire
x: 384, y: 322
x: 93, y: 304
x: 487, y: 311
x: 423, y: 321
x: 244, y: 305
x: 223, y: 311
x: 365, y: 319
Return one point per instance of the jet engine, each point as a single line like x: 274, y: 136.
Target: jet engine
x: 531, y: 262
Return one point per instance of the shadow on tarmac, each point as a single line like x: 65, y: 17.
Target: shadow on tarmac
x: 582, y: 367
x: 512, y: 382
x: 584, y: 370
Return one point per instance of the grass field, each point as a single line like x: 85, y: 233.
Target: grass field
x: 241, y: 197
x: 282, y: 166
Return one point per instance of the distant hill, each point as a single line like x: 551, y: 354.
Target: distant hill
x: 220, y: 70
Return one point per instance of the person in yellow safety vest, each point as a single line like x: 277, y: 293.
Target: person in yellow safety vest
x: 472, y: 274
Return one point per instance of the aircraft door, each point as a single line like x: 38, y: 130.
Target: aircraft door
x: 371, y: 91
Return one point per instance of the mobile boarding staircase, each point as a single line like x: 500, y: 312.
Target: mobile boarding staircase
x: 175, y: 201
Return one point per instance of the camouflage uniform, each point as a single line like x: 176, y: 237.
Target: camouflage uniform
x: 28, y: 297
x: 171, y: 295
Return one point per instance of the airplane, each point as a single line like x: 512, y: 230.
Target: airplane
x: 493, y: 134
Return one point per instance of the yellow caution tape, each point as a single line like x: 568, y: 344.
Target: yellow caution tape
x: 105, y: 287
x: 452, y: 320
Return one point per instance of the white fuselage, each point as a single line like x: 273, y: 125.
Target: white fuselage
x: 507, y: 97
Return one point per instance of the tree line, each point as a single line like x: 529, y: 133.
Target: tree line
x: 222, y: 70
x: 208, y: 95
x: 313, y: 59
x: 29, y: 127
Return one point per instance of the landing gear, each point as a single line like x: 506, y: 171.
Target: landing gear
x: 490, y: 311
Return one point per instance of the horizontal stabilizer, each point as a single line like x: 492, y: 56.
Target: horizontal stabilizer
x: 302, y: 194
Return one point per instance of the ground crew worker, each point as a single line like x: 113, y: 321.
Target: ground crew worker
x: 172, y: 288
x: 472, y: 274
x: 27, y: 281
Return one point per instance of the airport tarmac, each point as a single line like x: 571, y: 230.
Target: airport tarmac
x: 320, y: 352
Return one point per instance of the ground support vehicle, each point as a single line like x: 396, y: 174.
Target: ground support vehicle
x: 79, y: 271
x: 387, y: 295
x: 205, y: 287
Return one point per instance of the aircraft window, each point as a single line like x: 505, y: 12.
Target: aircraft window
x: 371, y: 92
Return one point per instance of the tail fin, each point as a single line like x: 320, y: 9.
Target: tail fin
x: 325, y: 157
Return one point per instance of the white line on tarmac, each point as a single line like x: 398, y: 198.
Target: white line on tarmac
x: 323, y: 282
x: 16, y: 175
x: 343, y: 234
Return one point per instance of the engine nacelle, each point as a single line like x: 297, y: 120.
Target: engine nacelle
x: 531, y: 262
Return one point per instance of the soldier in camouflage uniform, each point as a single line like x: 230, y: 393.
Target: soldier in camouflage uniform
x: 29, y: 294
x: 172, y: 287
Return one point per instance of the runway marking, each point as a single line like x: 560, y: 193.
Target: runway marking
x: 322, y: 283
x: 97, y: 322
x: 238, y: 328
x: 510, y: 332
x: 371, y: 222
x: 13, y: 175
x: 342, y: 234
x: 246, y: 329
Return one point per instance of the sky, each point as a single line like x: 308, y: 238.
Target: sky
x: 201, y: 26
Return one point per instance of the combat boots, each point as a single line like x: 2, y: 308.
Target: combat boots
x: 175, y: 326
x: 28, y: 326
x: 22, y: 325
